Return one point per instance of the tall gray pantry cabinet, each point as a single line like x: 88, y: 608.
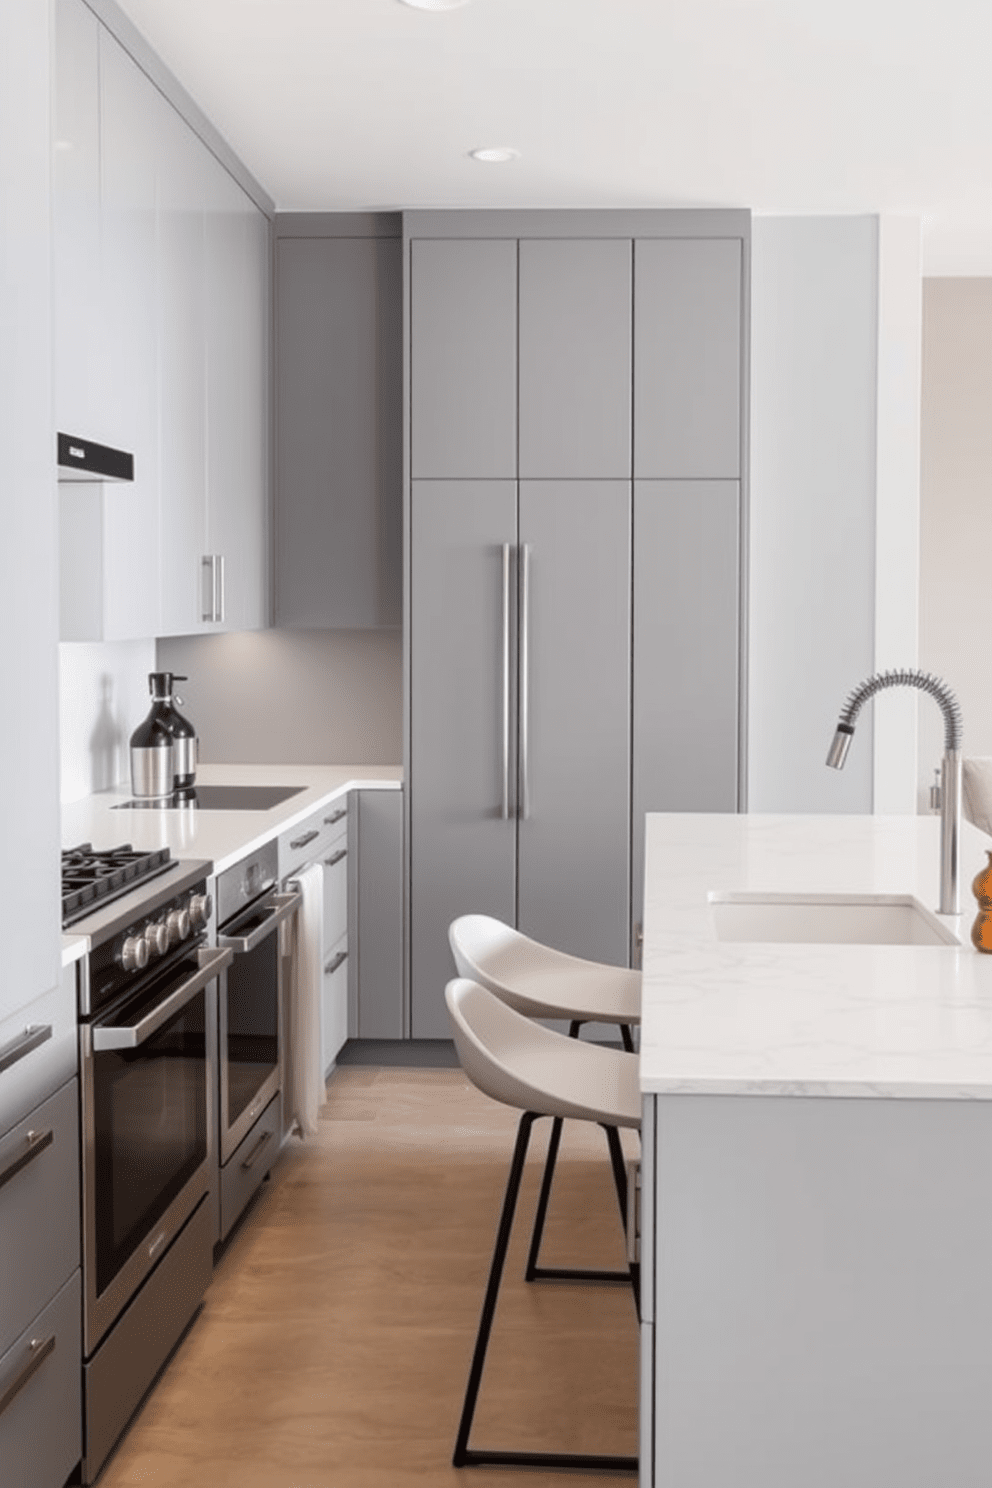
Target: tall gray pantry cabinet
x: 576, y: 479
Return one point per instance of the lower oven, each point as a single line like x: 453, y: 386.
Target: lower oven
x: 148, y: 1070
x: 254, y: 922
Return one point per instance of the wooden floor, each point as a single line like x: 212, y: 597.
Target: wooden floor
x: 334, y: 1342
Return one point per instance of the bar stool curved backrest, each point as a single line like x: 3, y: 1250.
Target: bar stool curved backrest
x: 541, y: 982
x: 541, y: 1073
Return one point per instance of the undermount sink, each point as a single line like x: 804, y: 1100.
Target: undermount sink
x: 828, y: 919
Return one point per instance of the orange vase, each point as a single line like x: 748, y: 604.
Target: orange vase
x: 981, y: 887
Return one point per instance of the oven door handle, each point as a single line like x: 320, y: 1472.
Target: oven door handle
x: 283, y: 905
x: 109, y: 1037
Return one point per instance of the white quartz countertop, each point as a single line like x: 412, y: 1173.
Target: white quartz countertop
x: 221, y: 836
x: 726, y: 1018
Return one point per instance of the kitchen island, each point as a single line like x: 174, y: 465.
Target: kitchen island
x: 817, y: 1207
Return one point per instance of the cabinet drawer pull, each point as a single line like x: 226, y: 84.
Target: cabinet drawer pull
x: 302, y: 841
x: 33, y: 1037
x: 342, y: 852
x: 335, y: 816
x: 38, y: 1351
x: 335, y: 962
x: 249, y: 1161
x: 36, y: 1143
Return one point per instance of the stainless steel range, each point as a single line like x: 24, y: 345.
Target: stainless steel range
x: 148, y: 1077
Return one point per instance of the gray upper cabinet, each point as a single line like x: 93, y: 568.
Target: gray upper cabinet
x: 575, y: 349
x: 463, y: 364
x: 687, y: 358
x: 339, y: 462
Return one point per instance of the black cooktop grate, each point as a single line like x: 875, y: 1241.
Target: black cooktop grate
x: 91, y: 879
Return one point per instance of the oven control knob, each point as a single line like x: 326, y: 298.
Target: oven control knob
x: 134, y: 953
x: 178, y: 923
x: 201, y: 907
x: 157, y: 937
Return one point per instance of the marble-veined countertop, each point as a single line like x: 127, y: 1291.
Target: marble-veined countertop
x: 726, y: 1018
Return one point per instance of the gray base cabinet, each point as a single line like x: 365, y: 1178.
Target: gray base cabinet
x: 376, y: 979
x: 41, y: 1427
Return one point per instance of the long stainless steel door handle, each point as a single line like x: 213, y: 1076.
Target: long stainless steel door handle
x: 108, y: 1037
x: 32, y: 1038
x: 335, y: 962
x: 38, y: 1351
x: 283, y: 905
x: 36, y: 1142
x: 249, y: 1161
x: 342, y: 852
x: 525, y: 681
x: 505, y: 811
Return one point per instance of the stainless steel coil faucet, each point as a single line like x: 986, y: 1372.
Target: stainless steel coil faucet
x: 950, y: 781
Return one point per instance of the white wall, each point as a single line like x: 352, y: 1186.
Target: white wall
x: 292, y: 697
x: 103, y: 696
x: 956, y: 510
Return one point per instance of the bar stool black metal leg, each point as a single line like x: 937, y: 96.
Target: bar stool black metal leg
x: 633, y: 1274
x: 534, y: 1271
x: 464, y: 1455
x: 627, y: 1037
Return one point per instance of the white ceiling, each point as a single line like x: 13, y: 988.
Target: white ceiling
x: 778, y: 105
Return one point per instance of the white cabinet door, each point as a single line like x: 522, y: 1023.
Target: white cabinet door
x: 80, y: 404
x: 236, y: 269
x: 129, y: 117
x: 182, y: 374
x: 29, y: 751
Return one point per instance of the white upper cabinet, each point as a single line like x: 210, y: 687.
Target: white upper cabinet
x: 236, y: 263
x: 162, y: 342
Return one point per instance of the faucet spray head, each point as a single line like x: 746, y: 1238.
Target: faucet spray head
x: 841, y: 744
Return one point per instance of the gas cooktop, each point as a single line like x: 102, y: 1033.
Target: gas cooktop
x: 92, y: 878
x: 216, y: 798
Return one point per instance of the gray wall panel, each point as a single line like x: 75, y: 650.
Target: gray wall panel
x: 462, y: 853
x: 574, y: 843
x: 686, y: 652
x: 687, y: 358
x: 575, y: 372
x: 463, y: 372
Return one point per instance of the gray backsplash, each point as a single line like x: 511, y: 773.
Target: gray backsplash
x: 292, y: 697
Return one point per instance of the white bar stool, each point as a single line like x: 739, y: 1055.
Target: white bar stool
x: 540, y: 982
x: 540, y: 1073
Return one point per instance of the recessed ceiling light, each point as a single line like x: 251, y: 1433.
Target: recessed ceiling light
x: 434, y: 4
x: 496, y: 155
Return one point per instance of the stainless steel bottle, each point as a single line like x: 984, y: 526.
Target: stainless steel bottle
x: 164, y: 747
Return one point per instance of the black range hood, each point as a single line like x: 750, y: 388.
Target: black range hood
x: 84, y: 460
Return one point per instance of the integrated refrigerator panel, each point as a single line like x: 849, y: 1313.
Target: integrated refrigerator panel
x: 463, y: 849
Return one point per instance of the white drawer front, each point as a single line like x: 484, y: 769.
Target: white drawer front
x: 336, y: 893
x: 334, y: 1004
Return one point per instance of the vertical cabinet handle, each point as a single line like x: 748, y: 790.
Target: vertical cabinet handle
x: 209, y: 582
x: 220, y: 591
x: 505, y: 811
x: 525, y: 681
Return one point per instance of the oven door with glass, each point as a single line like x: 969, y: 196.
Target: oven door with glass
x: 147, y: 1072
x: 251, y: 999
